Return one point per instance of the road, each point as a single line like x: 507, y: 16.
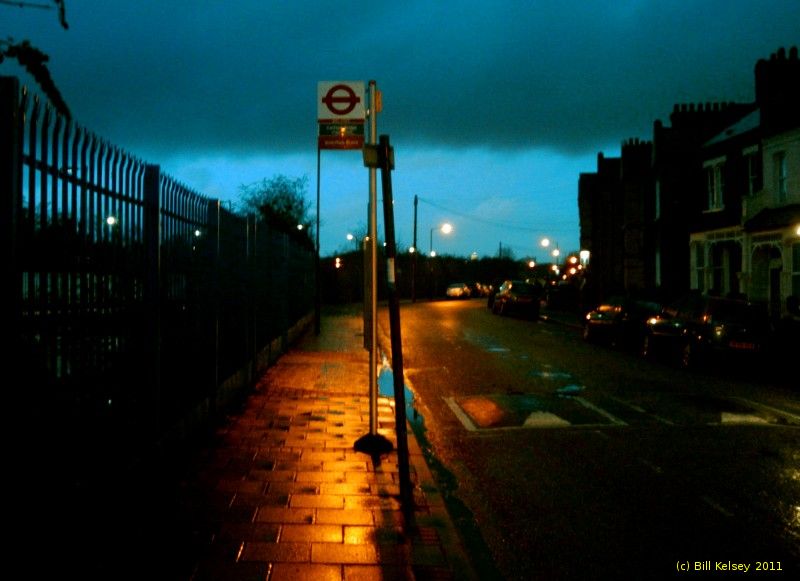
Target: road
x: 578, y: 461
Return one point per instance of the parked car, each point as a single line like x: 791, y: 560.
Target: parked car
x: 458, y: 290
x: 620, y: 321
x: 697, y: 327
x: 517, y: 297
x: 481, y: 290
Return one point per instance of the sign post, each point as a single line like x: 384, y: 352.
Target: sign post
x: 373, y: 443
x: 340, y: 113
x: 340, y: 118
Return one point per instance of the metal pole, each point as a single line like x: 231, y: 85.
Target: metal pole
x: 317, y: 290
x: 407, y: 498
x: 152, y: 285
x: 373, y: 238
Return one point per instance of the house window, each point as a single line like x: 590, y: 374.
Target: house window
x: 699, y: 266
x: 716, y: 186
x: 754, y: 173
x: 658, y: 265
x: 782, y: 174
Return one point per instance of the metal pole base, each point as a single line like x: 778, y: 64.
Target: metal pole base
x: 373, y: 444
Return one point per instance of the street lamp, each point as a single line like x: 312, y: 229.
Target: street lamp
x: 546, y: 243
x: 352, y: 238
x: 445, y: 228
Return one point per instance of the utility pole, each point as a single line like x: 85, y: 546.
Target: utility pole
x: 414, y: 258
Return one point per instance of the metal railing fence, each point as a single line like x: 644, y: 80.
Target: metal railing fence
x: 130, y: 298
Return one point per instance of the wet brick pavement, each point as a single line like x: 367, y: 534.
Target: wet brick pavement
x: 283, y: 495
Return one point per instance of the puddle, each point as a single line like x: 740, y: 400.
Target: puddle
x: 485, y: 343
x: 545, y: 374
x: 446, y: 481
x: 386, y: 389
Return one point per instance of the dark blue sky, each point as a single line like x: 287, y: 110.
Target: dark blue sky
x: 494, y: 108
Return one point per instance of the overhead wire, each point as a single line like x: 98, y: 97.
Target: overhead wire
x: 505, y: 225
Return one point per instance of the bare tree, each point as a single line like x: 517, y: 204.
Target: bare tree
x: 33, y: 59
x: 281, y: 201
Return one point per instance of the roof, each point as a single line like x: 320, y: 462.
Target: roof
x: 744, y: 125
x: 773, y: 218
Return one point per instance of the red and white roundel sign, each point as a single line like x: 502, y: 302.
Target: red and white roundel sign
x: 340, y: 100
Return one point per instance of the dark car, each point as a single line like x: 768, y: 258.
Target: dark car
x: 517, y: 297
x: 621, y: 321
x: 492, y: 292
x: 697, y: 327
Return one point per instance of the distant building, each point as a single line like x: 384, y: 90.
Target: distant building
x: 679, y: 192
x: 747, y: 241
x: 712, y: 204
x: 612, y: 205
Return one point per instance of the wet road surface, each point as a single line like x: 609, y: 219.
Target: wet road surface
x: 578, y: 461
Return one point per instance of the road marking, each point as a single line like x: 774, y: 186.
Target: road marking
x: 539, y: 419
x: 716, y: 506
x: 765, y: 407
x: 601, y: 411
x: 636, y: 408
x: 460, y: 414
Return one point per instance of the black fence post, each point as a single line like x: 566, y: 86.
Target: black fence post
x: 214, y: 219
x: 152, y: 287
x: 11, y: 191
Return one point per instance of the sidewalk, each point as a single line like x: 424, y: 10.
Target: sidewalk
x: 285, y: 496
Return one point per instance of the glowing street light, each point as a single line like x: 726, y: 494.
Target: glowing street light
x: 546, y: 242
x: 445, y: 228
